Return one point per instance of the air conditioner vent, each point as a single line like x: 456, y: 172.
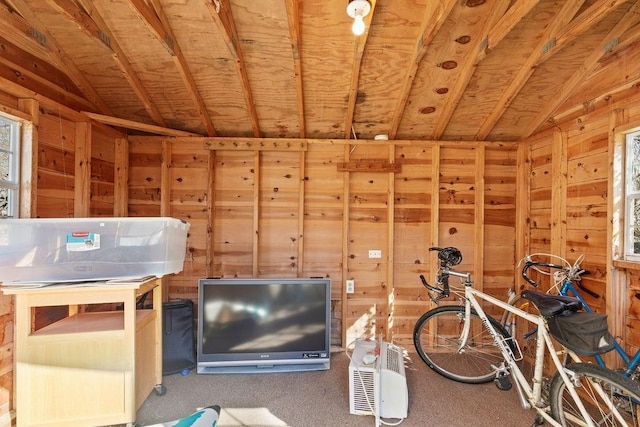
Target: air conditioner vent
x: 379, y: 388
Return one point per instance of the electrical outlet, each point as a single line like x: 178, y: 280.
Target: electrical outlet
x: 351, y: 286
x: 375, y: 253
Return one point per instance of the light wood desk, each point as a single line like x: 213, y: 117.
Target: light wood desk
x: 90, y: 368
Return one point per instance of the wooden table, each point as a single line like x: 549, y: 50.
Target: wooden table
x: 90, y: 368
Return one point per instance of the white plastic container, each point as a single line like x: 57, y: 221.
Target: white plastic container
x: 77, y: 249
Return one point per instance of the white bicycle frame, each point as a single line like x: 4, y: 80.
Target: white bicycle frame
x: 529, y: 396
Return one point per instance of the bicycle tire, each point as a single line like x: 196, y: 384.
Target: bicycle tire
x: 476, y: 363
x: 624, y: 393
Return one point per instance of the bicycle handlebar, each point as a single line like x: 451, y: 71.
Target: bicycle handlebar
x: 571, y: 273
x: 448, y: 257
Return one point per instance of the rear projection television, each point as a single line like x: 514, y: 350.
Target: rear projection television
x: 263, y: 325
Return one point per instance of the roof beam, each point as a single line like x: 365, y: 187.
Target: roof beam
x: 159, y: 25
x: 467, y: 70
x: 51, y: 82
x: 54, y: 53
x: 436, y: 13
x: 561, y: 19
x: 221, y: 14
x: 629, y: 19
x: 92, y: 23
x: 130, y: 124
x: 358, y: 53
x: 18, y: 31
x: 562, y: 31
x: 504, y: 26
x: 153, y: 19
x: 596, y: 12
x: 294, y: 31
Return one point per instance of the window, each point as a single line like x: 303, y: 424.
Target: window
x: 9, y: 167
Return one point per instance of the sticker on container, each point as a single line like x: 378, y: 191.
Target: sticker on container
x: 83, y: 241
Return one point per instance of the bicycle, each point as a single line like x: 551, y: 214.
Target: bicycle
x: 463, y: 343
x: 567, y: 282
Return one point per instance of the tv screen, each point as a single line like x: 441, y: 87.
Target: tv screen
x: 263, y: 325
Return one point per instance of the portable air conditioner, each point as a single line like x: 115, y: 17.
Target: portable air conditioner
x: 378, y: 388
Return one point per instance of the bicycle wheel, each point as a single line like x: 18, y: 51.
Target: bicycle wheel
x: 621, y: 391
x: 436, y: 337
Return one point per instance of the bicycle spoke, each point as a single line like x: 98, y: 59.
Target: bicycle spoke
x: 609, y: 398
x: 437, y: 340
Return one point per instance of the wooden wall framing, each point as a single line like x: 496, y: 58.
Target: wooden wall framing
x: 292, y: 212
x: 316, y: 209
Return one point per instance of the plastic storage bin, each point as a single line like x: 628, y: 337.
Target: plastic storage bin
x: 75, y: 249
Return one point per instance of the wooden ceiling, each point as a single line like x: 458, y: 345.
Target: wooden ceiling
x: 495, y: 70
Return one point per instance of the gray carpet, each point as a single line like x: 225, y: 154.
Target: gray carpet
x: 321, y: 398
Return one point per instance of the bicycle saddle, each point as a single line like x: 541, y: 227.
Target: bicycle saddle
x: 552, y: 305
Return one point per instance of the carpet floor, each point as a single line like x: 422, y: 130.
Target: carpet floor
x: 321, y: 398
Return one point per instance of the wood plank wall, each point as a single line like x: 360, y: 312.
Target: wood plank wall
x: 573, y: 197
x: 281, y: 213
x: 54, y: 184
x: 318, y: 211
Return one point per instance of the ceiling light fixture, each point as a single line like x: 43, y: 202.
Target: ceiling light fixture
x: 358, y: 9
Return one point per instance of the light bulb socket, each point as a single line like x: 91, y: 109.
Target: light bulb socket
x: 358, y: 8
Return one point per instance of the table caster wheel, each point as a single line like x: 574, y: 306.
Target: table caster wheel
x: 160, y: 389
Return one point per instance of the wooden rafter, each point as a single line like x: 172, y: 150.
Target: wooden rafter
x: 159, y: 25
x: 55, y: 54
x: 222, y: 17
x: 504, y: 26
x: 590, y: 17
x: 358, y: 52
x: 130, y: 124
x: 466, y: 72
x: 561, y: 32
x: 153, y: 18
x: 90, y: 21
x: 435, y: 14
x: 294, y: 31
x: 24, y: 66
x: 18, y: 31
x: 629, y: 19
x: 520, y: 78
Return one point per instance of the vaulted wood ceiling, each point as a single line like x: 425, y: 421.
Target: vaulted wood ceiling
x: 495, y: 70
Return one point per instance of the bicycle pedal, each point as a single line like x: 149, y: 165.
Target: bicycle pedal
x: 502, y: 382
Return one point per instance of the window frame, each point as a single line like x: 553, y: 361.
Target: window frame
x: 12, y: 182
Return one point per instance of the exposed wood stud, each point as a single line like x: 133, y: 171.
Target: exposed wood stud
x: 82, y: 175
x: 559, y: 194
